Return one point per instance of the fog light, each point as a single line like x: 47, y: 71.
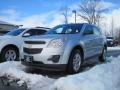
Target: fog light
x: 54, y: 58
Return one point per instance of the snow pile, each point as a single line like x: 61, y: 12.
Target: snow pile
x: 15, y: 71
x: 113, y: 48
x: 101, y: 77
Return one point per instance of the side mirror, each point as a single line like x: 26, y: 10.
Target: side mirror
x: 26, y: 35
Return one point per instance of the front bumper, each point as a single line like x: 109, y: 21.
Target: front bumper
x: 40, y: 65
x: 46, y: 55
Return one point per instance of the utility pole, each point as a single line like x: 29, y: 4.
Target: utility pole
x: 74, y: 11
x: 112, y: 27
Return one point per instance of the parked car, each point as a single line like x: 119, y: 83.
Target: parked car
x: 10, y: 43
x: 111, y: 42
x: 64, y: 47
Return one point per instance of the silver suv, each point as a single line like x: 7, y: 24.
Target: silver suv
x: 64, y: 47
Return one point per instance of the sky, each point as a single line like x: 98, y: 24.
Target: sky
x: 32, y: 13
x: 36, y: 6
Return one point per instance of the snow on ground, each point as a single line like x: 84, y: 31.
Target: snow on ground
x: 113, y: 48
x: 15, y: 71
x: 101, y: 77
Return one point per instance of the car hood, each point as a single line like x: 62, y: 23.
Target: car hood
x: 48, y: 36
x: 5, y: 37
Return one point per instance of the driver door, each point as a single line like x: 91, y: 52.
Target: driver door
x: 89, y: 41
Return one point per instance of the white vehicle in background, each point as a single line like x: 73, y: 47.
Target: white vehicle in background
x: 11, y: 43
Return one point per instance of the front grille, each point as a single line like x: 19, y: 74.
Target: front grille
x: 35, y: 42
x: 32, y: 50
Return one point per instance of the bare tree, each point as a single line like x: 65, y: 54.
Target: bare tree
x: 65, y: 12
x: 91, y: 10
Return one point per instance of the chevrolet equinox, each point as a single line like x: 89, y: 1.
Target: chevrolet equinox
x: 64, y: 47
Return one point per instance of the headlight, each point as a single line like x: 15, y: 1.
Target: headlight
x: 56, y: 43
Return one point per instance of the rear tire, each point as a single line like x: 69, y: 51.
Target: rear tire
x: 102, y: 58
x: 9, y: 54
x: 75, y: 61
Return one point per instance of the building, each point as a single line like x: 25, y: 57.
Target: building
x: 6, y: 27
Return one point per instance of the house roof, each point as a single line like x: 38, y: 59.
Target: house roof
x: 6, y: 23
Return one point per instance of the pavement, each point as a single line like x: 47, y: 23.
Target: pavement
x: 5, y: 85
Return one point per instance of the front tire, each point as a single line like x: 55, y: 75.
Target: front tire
x: 9, y: 54
x: 75, y: 61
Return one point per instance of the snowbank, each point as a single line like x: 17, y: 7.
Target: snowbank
x: 101, y: 77
x: 15, y: 71
x: 113, y: 48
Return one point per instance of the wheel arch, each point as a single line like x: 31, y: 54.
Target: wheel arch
x: 69, y: 60
x: 11, y: 45
x: 80, y: 48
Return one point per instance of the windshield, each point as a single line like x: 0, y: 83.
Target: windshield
x: 66, y: 29
x: 15, y: 32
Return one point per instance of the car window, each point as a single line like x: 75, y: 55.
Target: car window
x: 88, y: 30
x: 97, y: 31
x: 110, y: 38
x: 76, y: 29
x: 73, y: 29
x: 15, y: 32
x: 33, y: 32
x: 59, y: 30
x: 66, y: 29
x: 40, y: 31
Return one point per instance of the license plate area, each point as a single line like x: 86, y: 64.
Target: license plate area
x: 28, y: 58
